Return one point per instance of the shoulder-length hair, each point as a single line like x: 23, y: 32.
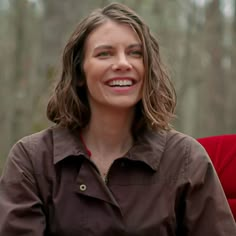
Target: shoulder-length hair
x: 68, y: 105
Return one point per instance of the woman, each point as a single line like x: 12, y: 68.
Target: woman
x: 112, y: 165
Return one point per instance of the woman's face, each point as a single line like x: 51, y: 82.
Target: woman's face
x: 113, y: 66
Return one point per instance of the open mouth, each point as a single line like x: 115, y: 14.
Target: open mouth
x: 121, y: 83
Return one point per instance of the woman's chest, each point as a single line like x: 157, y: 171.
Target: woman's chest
x: 130, y: 203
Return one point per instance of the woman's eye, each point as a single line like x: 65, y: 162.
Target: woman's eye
x: 136, y: 53
x: 103, y: 54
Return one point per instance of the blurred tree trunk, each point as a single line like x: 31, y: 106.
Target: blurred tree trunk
x: 187, y: 89
x: 12, y: 108
x: 180, y: 51
x: 212, y: 99
x: 20, y: 78
x: 6, y: 48
x: 232, y: 82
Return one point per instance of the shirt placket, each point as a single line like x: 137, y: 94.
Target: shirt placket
x: 89, y: 183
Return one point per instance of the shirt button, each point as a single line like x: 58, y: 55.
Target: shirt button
x: 82, y: 187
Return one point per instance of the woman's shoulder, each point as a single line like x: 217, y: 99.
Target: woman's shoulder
x: 48, y: 146
x: 173, y: 143
x: 186, y: 146
x: 180, y: 139
x: 45, y: 138
x: 30, y: 148
x: 184, y: 141
x: 173, y: 137
x: 37, y: 138
x: 179, y: 145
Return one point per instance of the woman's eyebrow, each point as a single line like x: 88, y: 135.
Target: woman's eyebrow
x: 136, y: 45
x: 109, y: 47
x: 103, y: 46
x: 106, y: 46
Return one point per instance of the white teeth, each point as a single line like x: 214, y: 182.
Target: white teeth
x: 120, y: 83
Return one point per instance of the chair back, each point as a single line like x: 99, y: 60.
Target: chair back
x: 222, y: 151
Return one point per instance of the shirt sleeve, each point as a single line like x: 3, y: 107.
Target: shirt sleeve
x: 206, y: 208
x: 21, y: 210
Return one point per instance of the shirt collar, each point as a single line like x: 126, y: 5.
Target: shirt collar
x: 66, y: 143
x: 148, y: 147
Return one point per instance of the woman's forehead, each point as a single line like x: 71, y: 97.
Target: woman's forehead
x: 112, y: 32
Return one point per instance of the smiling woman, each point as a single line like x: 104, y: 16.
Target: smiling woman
x: 113, y: 67
x: 112, y: 164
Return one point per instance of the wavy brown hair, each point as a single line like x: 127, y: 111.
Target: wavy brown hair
x: 68, y: 105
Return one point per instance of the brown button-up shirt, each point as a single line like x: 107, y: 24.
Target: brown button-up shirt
x: 164, y: 186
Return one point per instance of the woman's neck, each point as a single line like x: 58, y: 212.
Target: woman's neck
x: 109, y: 134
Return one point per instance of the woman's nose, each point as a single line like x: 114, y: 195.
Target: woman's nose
x: 121, y: 63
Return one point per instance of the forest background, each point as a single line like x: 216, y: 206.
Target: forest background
x: 197, y: 41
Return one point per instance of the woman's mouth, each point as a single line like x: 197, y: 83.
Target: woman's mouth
x: 121, y: 83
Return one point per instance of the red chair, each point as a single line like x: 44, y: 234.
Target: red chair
x: 222, y: 151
